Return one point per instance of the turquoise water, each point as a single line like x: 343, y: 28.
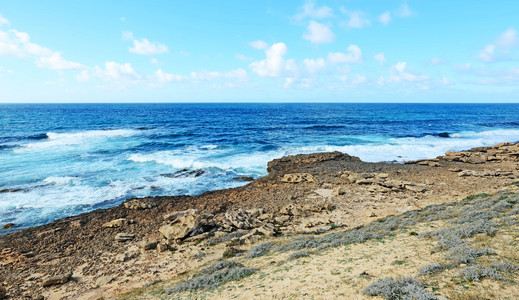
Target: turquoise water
x: 61, y: 160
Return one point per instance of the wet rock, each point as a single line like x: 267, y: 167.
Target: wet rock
x: 243, y: 178
x: 124, y: 237
x: 7, y: 226
x: 137, y: 204
x: 297, y: 178
x: 117, y: 223
x: 58, y: 279
x: 148, y: 245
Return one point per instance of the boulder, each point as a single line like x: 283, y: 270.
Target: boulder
x: 117, y: 223
x: 186, y: 223
x: 58, y: 279
x: 126, y: 256
x: 148, y: 245
x: 174, y: 215
x: 124, y: 237
x: 240, y: 219
x: 161, y: 247
x: 144, y: 203
x: 297, y: 178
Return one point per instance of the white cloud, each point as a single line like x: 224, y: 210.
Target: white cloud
x: 445, y: 81
x: 385, y: 18
x: 274, y: 64
x: 56, y: 62
x: 380, y: 57
x: 260, y: 45
x: 163, y: 77
x: 318, y: 33
x: 154, y: 61
x: 118, y: 72
x: 83, y: 76
x: 3, y: 21
x: 487, y: 53
x: 242, y: 57
x: 398, y: 73
x: 309, y: 10
x: 18, y: 44
x: 145, y: 47
x: 463, y: 67
x: 507, y: 38
x: 354, y: 55
x: 404, y: 11
x: 357, y: 19
x: 314, y: 65
x: 237, y: 74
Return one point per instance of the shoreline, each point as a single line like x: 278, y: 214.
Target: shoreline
x: 302, y: 194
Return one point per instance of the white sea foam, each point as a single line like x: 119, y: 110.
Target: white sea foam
x: 58, y: 140
x: 56, y: 180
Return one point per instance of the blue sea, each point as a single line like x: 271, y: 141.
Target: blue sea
x: 59, y: 160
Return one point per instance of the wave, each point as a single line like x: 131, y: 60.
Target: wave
x: 56, y: 140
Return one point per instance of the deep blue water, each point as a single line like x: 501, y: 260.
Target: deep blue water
x: 63, y: 160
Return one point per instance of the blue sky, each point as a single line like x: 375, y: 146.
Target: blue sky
x: 259, y: 51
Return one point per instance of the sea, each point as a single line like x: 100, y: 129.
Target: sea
x: 59, y: 160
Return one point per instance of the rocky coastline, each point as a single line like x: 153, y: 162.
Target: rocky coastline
x: 147, y: 242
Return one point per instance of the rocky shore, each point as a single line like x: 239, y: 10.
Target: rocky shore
x: 147, y: 243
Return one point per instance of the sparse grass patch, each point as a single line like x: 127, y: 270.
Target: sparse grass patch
x: 398, y: 288
x: 260, y: 250
x: 299, y: 254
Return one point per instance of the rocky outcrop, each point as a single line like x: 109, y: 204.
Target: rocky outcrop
x: 484, y: 173
x: 124, y: 237
x: 144, y: 203
x: 58, y: 279
x: 381, y: 183
x: 117, y: 223
x: 289, y: 162
x: 186, y: 223
x: 498, y: 153
x: 240, y: 219
x: 297, y: 178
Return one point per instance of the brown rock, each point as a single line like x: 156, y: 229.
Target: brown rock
x: 378, y: 188
x: 240, y: 219
x: 455, y: 170
x: 124, y: 237
x: 281, y: 219
x: 142, y: 203
x: 292, y: 210
x: 148, y: 245
x: 58, y: 279
x: 173, y: 216
x: 162, y: 247
x: 297, y: 177
x: 182, y: 227
x: 416, y: 188
x: 117, y: 223
x: 338, y: 191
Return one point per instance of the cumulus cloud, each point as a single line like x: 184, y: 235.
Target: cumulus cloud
x: 385, y: 18
x: 487, y: 53
x: 507, y: 38
x: 117, y: 72
x: 399, y: 73
x: 163, y: 77
x: 404, y: 11
x: 274, y: 64
x: 318, y: 33
x: 354, y: 55
x: 18, y: 44
x: 310, y: 10
x: 3, y: 21
x: 314, y: 65
x: 357, y: 19
x: 380, y: 57
x: 499, y: 49
x: 145, y: 47
x: 260, y: 45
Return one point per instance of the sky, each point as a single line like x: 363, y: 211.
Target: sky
x: 259, y: 51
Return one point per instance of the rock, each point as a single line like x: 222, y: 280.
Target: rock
x: 144, y: 203
x: 7, y: 226
x: 126, y: 256
x: 368, y: 181
x: 197, y: 238
x: 378, y: 188
x: 281, y: 219
x: 433, y: 164
x: 394, y: 184
x: 292, y: 210
x: 77, y: 223
x: 416, y: 188
x: 243, y: 178
x: 117, y: 223
x: 465, y: 173
x: 267, y: 229
x: 58, y: 279
x: 291, y: 161
x: 265, y: 217
x: 103, y: 280
x: 455, y: 170
x: 297, y: 177
x: 148, y: 245
x: 124, y: 237
x: 325, y: 193
x: 3, y: 293
x: 161, y: 247
x: 240, y: 219
x: 187, y: 223
x: 174, y: 215
x: 338, y: 191
x: 256, y: 212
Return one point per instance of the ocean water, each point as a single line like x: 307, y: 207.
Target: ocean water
x: 61, y: 160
